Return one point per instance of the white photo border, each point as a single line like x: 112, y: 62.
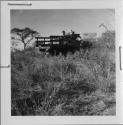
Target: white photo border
x: 6, y: 118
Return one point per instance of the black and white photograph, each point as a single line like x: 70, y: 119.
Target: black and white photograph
x: 63, y: 62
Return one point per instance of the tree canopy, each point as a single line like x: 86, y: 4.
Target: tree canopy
x: 25, y: 35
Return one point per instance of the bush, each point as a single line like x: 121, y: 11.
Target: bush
x: 74, y: 84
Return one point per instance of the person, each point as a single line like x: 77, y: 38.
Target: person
x: 63, y: 33
x: 72, y: 32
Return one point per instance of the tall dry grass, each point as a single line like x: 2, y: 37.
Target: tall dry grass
x: 78, y: 84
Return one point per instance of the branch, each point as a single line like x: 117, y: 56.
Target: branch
x: 19, y: 40
x: 29, y: 40
x: 13, y: 38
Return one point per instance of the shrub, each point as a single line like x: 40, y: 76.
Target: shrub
x: 74, y: 84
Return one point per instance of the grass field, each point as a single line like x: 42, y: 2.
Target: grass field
x: 79, y: 84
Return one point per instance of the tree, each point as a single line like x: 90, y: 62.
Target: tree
x: 25, y: 35
x: 103, y: 25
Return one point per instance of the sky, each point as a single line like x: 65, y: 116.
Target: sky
x: 53, y: 22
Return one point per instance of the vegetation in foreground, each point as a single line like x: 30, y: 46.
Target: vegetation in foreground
x: 78, y: 84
